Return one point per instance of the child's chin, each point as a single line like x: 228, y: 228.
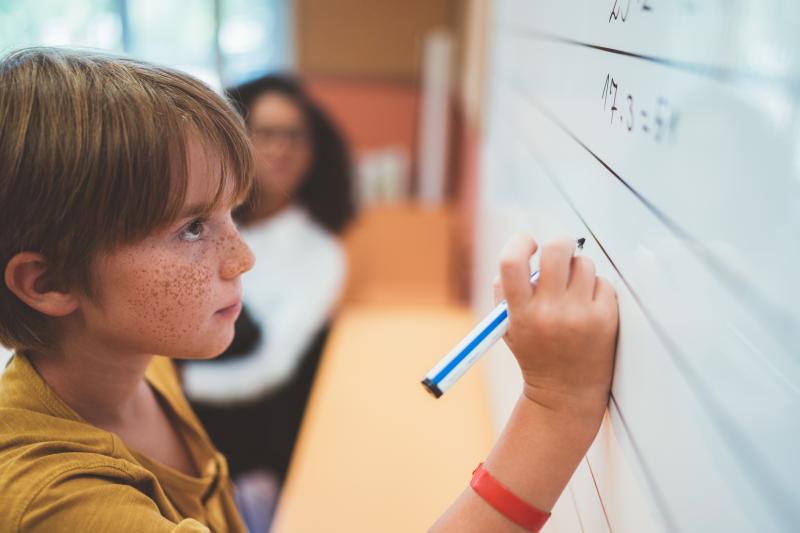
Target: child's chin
x: 217, y: 350
x: 208, y: 354
x: 207, y: 349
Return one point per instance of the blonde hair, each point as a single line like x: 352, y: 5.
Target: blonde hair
x: 93, y: 154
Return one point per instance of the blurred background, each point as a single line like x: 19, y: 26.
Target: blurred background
x: 366, y: 63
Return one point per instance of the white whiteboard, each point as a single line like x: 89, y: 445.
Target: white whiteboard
x: 668, y: 134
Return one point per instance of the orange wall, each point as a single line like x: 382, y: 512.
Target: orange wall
x: 375, y: 38
x: 372, y: 113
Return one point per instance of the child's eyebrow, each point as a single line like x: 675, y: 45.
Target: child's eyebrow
x: 195, y: 210
x: 202, y: 209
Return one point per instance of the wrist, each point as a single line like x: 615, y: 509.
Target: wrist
x: 541, y: 445
x: 584, y: 406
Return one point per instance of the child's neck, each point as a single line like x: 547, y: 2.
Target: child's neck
x: 104, y: 387
x: 108, y: 390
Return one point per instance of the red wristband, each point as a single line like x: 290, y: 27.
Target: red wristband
x: 506, y: 502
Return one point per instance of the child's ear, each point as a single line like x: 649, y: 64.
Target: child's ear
x: 28, y: 277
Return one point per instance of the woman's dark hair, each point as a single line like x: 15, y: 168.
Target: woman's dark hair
x: 326, y: 189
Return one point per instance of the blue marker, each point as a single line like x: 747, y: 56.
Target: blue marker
x: 467, y: 352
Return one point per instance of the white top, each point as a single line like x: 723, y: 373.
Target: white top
x: 291, y: 292
x: 5, y: 355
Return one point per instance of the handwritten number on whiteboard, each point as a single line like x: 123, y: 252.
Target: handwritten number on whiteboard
x: 614, y: 86
x: 617, y: 12
x: 673, y: 124
x: 658, y: 120
x: 630, y: 108
x: 627, y: 11
x: 614, y: 12
x: 616, y: 9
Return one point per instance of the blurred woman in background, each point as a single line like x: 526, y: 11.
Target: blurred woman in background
x: 251, y: 399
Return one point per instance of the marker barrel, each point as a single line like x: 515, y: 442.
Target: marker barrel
x: 467, y: 352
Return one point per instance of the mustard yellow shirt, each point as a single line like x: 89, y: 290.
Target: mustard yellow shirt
x: 60, y: 473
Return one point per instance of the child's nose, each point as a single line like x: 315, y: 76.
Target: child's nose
x: 238, y: 258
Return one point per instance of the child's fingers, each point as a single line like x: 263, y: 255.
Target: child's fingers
x: 515, y: 269
x: 604, y: 292
x: 554, y: 266
x: 582, y: 278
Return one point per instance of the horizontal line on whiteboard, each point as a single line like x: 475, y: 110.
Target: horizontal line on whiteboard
x: 784, y: 507
x: 772, y: 316
x: 716, y: 72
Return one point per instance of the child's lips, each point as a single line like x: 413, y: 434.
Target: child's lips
x: 231, y: 310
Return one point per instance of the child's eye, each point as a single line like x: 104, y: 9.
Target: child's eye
x: 193, y: 231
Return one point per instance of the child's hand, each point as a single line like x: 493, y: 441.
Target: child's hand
x: 562, y: 332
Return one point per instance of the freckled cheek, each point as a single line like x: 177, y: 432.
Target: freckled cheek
x: 174, y: 302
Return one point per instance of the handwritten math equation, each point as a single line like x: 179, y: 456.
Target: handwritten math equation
x: 657, y: 118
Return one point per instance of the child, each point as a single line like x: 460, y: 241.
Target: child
x: 117, y: 181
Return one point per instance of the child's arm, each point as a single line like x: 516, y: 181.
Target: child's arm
x: 563, y: 334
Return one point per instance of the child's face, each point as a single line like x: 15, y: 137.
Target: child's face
x: 178, y: 292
